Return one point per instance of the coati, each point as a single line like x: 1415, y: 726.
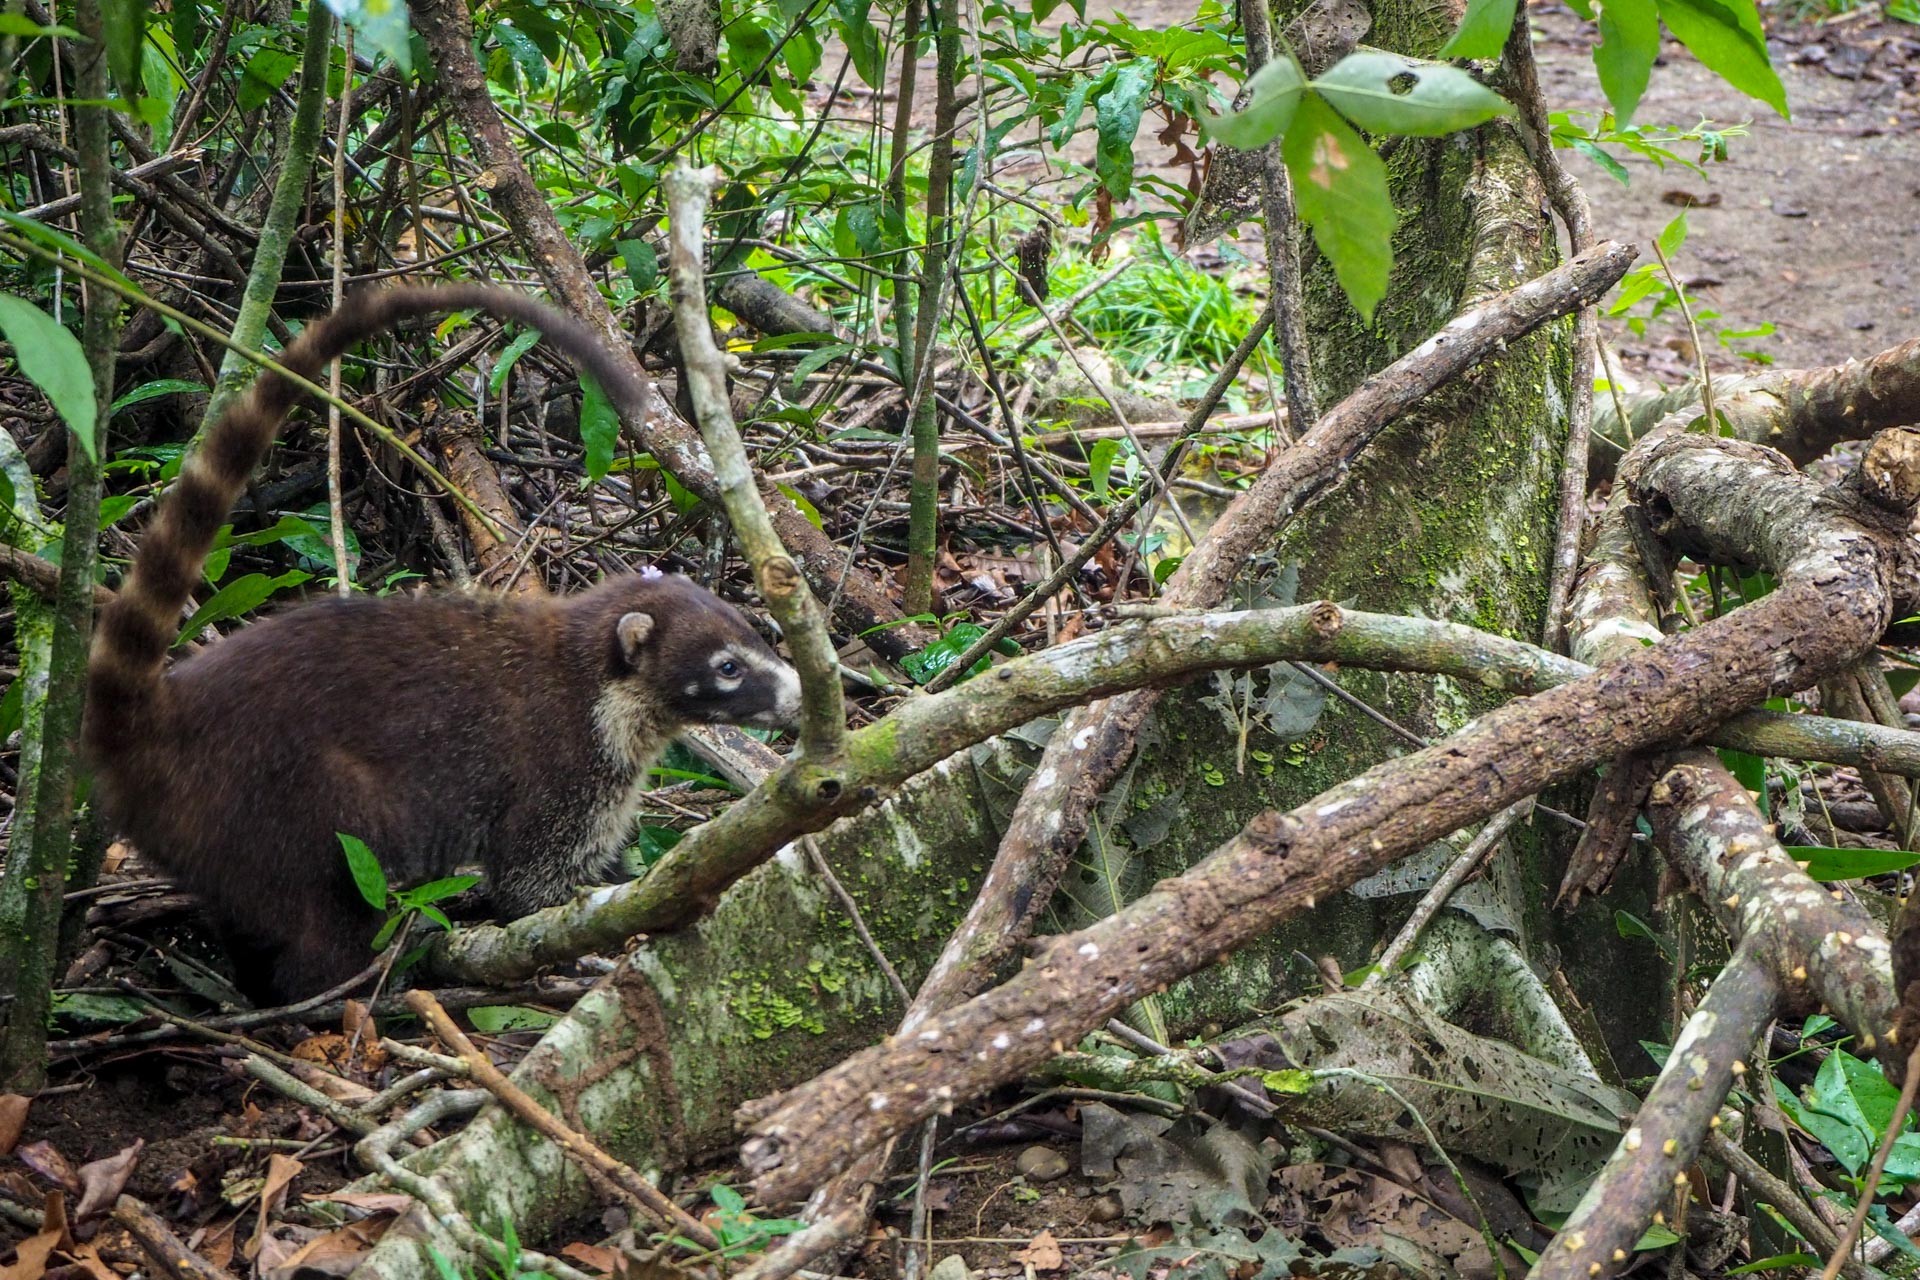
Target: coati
x: 442, y: 730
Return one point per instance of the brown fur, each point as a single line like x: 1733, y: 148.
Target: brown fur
x: 443, y: 730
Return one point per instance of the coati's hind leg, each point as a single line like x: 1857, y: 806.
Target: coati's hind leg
x: 328, y: 942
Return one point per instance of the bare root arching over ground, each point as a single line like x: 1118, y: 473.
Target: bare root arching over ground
x: 1349, y: 575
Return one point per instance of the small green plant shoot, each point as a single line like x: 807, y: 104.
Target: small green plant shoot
x: 400, y: 905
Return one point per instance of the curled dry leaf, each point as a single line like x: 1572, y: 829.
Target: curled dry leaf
x: 45, y: 1160
x: 101, y: 1182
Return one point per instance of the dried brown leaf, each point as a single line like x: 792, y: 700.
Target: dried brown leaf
x: 101, y: 1181
x: 605, y: 1261
x: 45, y: 1160
x: 30, y: 1259
x: 1043, y: 1254
x: 13, y: 1118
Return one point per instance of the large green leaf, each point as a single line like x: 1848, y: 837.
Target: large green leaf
x: 1726, y: 36
x: 1629, y: 42
x: 53, y: 360
x: 1483, y: 31
x: 1340, y: 190
x: 124, y: 24
x: 1386, y: 93
x: 368, y: 876
x: 54, y: 238
x: 599, y: 429
x: 382, y: 23
x: 242, y: 595
x: 521, y: 51
x: 1117, y: 119
x: 1272, y: 96
x: 1825, y: 863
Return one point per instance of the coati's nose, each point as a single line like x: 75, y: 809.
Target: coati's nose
x: 786, y: 702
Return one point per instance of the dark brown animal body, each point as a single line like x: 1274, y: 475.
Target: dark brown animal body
x: 442, y: 730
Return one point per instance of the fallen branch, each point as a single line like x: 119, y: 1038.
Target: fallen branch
x: 1801, y: 412
x: 1651, y: 1161
x: 1831, y: 605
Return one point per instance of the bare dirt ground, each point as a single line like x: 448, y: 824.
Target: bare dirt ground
x: 1809, y: 223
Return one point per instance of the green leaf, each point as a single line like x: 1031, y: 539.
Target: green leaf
x: 944, y: 652
x: 1628, y: 925
x: 815, y: 360
x: 52, y: 360
x: 1629, y: 43
x: 1777, y: 1262
x: 112, y: 1010
x: 1273, y: 96
x: 154, y: 390
x: 643, y: 264
x: 1100, y: 466
x: 1368, y: 88
x: 653, y: 843
x: 492, y: 1019
x: 266, y: 71
x: 1658, y: 1236
x: 382, y: 23
x: 1483, y: 31
x: 524, y: 53
x: 1673, y: 235
x: 242, y: 595
x: 368, y: 877
x: 1116, y: 120
x: 1825, y: 863
x: 124, y: 25
x: 1726, y: 36
x: 855, y: 24
x: 1751, y: 773
x: 806, y: 508
x: 1340, y: 190
x: 599, y: 429
x: 56, y: 239
x: 510, y: 356
x: 436, y: 890
x: 387, y: 930
x: 1594, y: 152
x: 19, y: 24
x: 436, y: 915
x: 726, y: 1199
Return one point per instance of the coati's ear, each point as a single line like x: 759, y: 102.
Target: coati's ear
x: 633, y: 630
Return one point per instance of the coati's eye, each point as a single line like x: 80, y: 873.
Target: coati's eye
x: 729, y: 668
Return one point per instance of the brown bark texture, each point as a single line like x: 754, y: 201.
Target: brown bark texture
x: 1832, y: 603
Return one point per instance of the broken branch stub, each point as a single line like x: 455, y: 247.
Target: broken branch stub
x: 1831, y: 605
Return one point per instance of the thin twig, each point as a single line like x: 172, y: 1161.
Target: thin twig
x: 335, y: 513
x: 1196, y: 421
x: 1442, y: 889
x: 642, y: 1194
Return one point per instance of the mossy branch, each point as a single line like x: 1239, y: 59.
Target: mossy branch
x: 295, y: 167
x: 782, y: 585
